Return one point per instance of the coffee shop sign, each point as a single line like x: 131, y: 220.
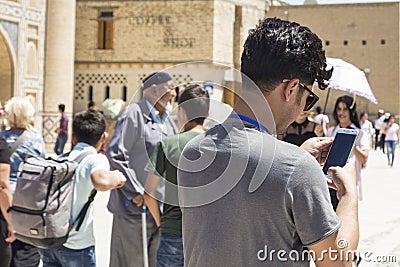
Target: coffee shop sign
x: 150, y: 20
x: 179, y: 42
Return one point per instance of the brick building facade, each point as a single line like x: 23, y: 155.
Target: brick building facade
x: 118, y: 43
x: 366, y: 35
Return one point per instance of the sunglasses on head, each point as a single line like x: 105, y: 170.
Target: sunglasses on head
x: 311, y: 98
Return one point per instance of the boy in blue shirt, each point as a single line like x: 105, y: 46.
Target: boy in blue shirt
x: 88, y: 134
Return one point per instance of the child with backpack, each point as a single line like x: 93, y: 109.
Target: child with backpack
x: 88, y: 135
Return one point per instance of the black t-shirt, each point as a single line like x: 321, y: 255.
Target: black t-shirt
x: 4, y: 152
x: 298, y: 133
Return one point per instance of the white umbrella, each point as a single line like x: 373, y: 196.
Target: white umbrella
x: 348, y: 78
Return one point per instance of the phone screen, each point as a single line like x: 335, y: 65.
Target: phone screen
x: 340, y: 150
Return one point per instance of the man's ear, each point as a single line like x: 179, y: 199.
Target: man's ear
x: 103, y: 137
x: 153, y: 89
x: 182, y: 112
x: 289, y: 90
x: 150, y: 94
x: 74, y: 140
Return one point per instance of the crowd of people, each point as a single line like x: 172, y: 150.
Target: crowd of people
x: 268, y: 192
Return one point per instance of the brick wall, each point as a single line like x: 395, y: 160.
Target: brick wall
x: 365, y: 27
x: 147, y: 31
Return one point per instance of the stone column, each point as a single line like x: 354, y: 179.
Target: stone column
x: 59, y: 66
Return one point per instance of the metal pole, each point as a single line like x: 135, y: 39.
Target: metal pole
x: 326, y: 101
x: 144, y: 234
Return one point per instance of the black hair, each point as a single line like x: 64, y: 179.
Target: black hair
x: 198, y: 106
x: 318, y: 109
x: 278, y: 50
x: 362, y: 114
x: 61, y: 107
x: 348, y: 101
x: 91, y: 104
x: 88, y: 126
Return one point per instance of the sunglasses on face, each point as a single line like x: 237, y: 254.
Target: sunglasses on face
x: 311, y: 98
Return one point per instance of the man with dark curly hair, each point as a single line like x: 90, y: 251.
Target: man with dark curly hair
x: 249, y: 199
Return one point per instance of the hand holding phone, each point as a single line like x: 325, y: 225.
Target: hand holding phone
x: 343, y: 179
x: 318, y: 147
x: 341, y: 148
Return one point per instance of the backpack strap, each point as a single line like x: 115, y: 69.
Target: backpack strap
x: 16, y: 144
x: 82, y: 155
x: 84, y: 210
x: 85, y: 207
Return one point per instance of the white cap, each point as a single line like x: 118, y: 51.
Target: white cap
x: 381, y: 111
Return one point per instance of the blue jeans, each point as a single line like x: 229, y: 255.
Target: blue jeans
x: 60, y: 143
x: 390, y: 149
x: 170, y: 251
x: 64, y: 257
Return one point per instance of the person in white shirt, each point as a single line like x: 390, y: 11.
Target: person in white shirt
x: 378, y: 122
x: 322, y: 119
x: 366, y: 126
x: 391, y: 140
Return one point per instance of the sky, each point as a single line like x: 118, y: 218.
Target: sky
x: 300, y: 2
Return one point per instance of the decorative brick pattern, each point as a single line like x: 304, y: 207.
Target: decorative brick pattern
x: 83, y: 81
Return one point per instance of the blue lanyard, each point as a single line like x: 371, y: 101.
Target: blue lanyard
x: 251, y: 121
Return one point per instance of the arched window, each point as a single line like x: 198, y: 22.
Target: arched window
x: 107, y: 92
x: 90, y: 95
x: 32, y: 60
x: 124, y: 93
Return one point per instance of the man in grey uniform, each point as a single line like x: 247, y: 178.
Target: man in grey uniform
x: 139, y: 128
x: 255, y: 200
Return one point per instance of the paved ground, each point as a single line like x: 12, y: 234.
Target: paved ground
x: 379, y: 215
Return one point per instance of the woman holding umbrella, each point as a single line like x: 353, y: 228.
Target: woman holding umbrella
x: 345, y: 115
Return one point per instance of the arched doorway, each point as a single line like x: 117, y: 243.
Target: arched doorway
x: 7, y: 71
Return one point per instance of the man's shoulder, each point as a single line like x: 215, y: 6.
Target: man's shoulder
x: 170, y: 139
x: 289, y: 150
x: 179, y: 136
x: 94, y: 162
x: 289, y: 158
x: 178, y: 140
x: 135, y: 106
x: 134, y: 110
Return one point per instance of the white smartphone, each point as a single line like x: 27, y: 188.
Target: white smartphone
x: 341, y: 148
